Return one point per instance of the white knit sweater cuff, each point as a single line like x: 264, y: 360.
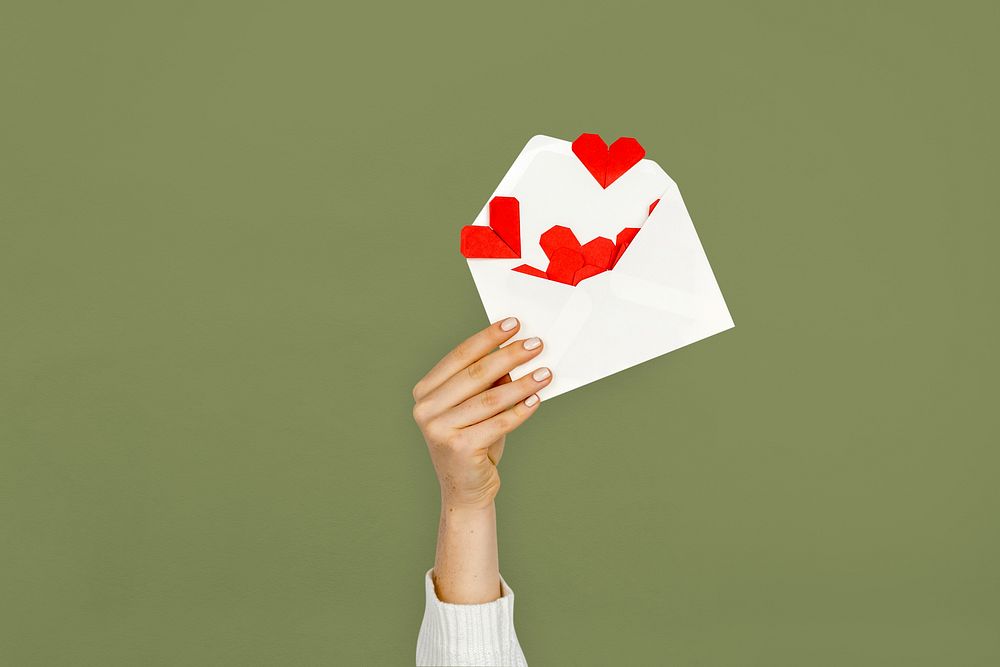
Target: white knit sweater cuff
x: 468, y: 634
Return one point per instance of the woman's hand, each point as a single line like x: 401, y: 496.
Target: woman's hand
x: 467, y: 404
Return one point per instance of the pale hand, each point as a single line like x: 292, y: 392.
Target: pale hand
x: 467, y: 404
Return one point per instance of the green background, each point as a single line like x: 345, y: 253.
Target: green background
x: 228, y: 248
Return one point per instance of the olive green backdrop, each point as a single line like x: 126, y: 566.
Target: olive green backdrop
x: 228, y: 248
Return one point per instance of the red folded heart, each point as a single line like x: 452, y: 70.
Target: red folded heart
x: 599, y: 252
x: 569, y: 262
x: 558, y: 237
x: 604, y: 163
x: 625, y: 237
x: 586, y: 271
x: 502, y: 239
x: 622, y: 242
x: 563, y: 265
x: 572, y: 263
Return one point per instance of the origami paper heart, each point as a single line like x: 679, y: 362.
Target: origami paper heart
x: 604, y: 163
x: 564, y: 264
x: 556, y: 238
x: 599, y: 252
x: 572, y: 263
x: 569, y: 262
x: 622, y: 242
x: 502, y: 239
x: 625, y: 237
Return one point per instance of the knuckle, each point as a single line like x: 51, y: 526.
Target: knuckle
x: 526, y: 385
x: 435, y: 431
x: 489, y: 399
x: 476, y: 371
x: 463, y: 351
x: 506, y: 423
x: 420, y: 412
x: 516, y: 354
x: 454, y: 440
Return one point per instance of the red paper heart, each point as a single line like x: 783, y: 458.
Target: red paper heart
x: 599, y: 252
x: 607, y: 164
x: 558, y: 237
x: 587, y: 271
x: 563, y: 265
x: 571, y: 263
x: 502, y: 239
x: 622, y: 242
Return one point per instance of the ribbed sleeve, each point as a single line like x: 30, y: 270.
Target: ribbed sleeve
x: 468, y: 634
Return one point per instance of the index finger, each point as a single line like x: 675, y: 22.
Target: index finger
x: 466, y: 353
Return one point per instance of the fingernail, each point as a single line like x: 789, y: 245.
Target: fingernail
x: 508, y: 324
x: 540, y: 374
x: 532, y: 343
x: 531, y: 400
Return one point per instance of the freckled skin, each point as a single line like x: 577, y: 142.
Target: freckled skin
x: 465, y: 406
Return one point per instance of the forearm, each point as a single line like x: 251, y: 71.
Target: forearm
x: 465, y: 407
x: 466, y: 565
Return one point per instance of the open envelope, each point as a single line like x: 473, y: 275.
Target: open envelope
x: 659, y: 295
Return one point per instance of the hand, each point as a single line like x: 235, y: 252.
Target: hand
x: 467, y: 404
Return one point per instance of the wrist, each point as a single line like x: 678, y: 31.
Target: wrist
x: 462, y: 504
x: 456, y: 510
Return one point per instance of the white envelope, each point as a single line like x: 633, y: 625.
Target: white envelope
x: 660, y: 296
